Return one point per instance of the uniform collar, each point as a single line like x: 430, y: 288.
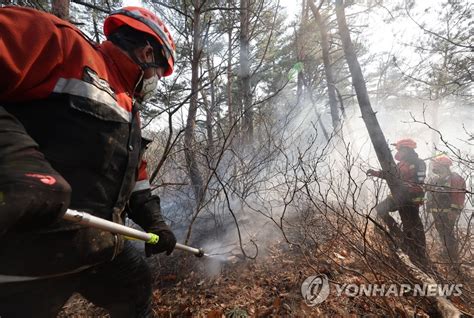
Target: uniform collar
x: 128, y: 71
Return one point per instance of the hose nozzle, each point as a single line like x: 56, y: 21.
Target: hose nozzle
x: 130, y: 233
x: 200, y: 253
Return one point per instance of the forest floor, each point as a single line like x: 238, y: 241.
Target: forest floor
x: 269, y: 286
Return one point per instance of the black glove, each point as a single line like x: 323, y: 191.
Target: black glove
x: 166, y: 243
x: 144, y: 209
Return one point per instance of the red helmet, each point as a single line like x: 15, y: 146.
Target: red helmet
x: 143, y: 20
x: 443, y: 160
x: 408, y: 143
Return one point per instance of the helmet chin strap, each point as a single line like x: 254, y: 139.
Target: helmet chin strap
x: 143, y: 65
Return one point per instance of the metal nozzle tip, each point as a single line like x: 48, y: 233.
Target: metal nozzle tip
x: 201, y: 253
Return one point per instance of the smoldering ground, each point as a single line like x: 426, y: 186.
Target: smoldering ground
x: 271, y: 187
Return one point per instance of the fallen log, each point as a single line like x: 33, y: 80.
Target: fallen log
x: 443, y: 306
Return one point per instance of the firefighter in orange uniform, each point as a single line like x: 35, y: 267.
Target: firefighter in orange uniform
x: 412, y: 171
x: 70, y: 137
x: 446, y: 192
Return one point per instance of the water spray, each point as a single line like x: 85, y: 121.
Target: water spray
x: 128, y: 232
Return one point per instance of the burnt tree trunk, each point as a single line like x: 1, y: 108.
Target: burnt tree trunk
x: 413, y: 240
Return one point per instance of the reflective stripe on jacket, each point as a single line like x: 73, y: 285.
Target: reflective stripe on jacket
x: 74, y: 99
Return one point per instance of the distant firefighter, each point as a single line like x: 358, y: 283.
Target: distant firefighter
x: 446, y: 192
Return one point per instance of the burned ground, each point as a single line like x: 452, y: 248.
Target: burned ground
x: 270, y: 286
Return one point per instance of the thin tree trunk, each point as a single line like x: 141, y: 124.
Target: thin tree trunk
x: 209, y: 110
x: 300, y: 54
x: 327, y: 64
x: 245, y: 71
x: 320, y: 121
x: 299, y: 87
x: 189, y: 133
x: 231, y: 115
x: 94, y: 23
x: 414, y: 235
x: 60, y: 8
